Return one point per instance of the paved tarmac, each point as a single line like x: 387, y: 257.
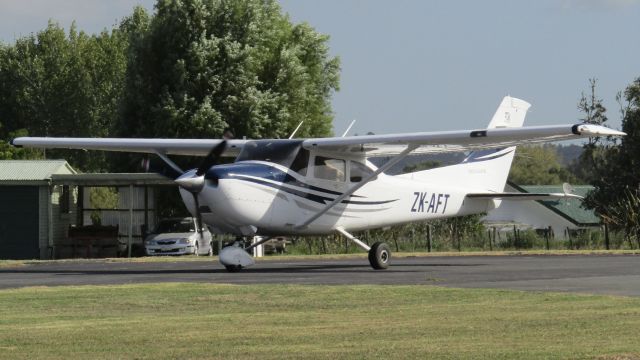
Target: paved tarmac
x: 596, y: 274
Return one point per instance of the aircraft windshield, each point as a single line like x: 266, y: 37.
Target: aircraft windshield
x: 282, y: 152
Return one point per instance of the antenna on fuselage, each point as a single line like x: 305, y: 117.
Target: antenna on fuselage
x: 296, y: 130
x: 349, y: 128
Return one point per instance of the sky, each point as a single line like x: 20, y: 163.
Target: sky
x: 417, y: 65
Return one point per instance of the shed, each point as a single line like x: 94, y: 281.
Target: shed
x: 28, y: 205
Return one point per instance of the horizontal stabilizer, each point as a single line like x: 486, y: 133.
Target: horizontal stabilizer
x: 523, y: 196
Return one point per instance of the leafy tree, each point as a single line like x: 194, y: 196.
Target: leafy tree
x: 624, y: 214
x: 617, y: 177
x: 538, y: 165
x: 203, y: 66
x: 8, y: 152
x: 58, y: 84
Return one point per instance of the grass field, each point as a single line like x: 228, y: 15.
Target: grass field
x: 332, y: 322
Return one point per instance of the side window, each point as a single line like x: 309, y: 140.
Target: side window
x: 358, y: 171
x: 329, y: 169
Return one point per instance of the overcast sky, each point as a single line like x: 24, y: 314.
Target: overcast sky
x: 433, y: 65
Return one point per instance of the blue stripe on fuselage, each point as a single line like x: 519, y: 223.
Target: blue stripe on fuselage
x: 258, y: 173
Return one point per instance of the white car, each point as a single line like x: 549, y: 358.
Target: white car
x: 178, y: 237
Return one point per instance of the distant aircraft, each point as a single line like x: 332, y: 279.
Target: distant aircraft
x: 327, y: 185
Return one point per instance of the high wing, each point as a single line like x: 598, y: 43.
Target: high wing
x: 197, y: 147
x: 456, y: 141
x: 368, y: 145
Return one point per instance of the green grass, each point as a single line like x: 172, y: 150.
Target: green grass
x: 330, y: 322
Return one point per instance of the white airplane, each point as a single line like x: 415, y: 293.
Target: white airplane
x: 327, y: 185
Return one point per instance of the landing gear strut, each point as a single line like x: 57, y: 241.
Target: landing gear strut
x: 379, y: 253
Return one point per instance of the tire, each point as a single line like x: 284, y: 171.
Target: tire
x: 210, y: 252
x: 380, y: 256
x: 233, y: 268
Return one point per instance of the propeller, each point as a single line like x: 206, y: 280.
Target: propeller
x: 192, y: 181
x: 195, y: 183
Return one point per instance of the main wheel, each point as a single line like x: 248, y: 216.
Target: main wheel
x: 379, y: 256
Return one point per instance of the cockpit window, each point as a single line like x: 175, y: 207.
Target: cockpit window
x: 282, y: 152
x: 329, y: 168
x: 358, y: 171
x: 301, y: 162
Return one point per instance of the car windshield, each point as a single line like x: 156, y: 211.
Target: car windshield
x: 175, y: 226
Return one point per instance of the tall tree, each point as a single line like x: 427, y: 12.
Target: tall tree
x: 207, y: 65
x: 592, y: 109
x: 618, y: 175
x: 593, y: 112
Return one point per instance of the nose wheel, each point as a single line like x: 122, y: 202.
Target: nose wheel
x: 379, y: 256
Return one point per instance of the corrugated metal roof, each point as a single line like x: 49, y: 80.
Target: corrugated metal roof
x: 571, y: 208
x: 32, y: 170
x: 112, y: 179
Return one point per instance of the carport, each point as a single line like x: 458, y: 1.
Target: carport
x: 41, y: 199
x: 136, y: 206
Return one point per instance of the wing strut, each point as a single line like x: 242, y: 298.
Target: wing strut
x: 357, y: 186
x: 168, y: 161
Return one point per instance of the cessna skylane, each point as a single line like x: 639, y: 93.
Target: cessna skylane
x: 327, y: 185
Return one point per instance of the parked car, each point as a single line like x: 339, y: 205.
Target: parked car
x: 178, y: 237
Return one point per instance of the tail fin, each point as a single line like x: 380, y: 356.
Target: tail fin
x: 510, y: 113
x: 484, y: 170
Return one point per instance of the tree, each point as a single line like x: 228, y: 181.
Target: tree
x: 203, y: 66
x: 538, y: 165
x: 592, y: 108
x: 617, y: 177
x: 593, y: 151
x: 58, y: 84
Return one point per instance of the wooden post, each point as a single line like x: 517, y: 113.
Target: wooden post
x: 547, y: 235
x: 130, y: 240
x: 606, y: 236
x: 146, y: 207
x: 428, y: 238
x: 493, y: 238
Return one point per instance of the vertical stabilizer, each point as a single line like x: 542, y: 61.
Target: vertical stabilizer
x: 483, y: 170
x: 510, y: 113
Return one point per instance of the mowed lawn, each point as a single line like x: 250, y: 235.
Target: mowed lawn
x: 331, y: 322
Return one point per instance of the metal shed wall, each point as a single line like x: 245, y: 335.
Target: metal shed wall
x: 19, y: 229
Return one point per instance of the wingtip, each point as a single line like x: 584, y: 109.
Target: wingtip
x: 595, y: 130
x: 12, y: 143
